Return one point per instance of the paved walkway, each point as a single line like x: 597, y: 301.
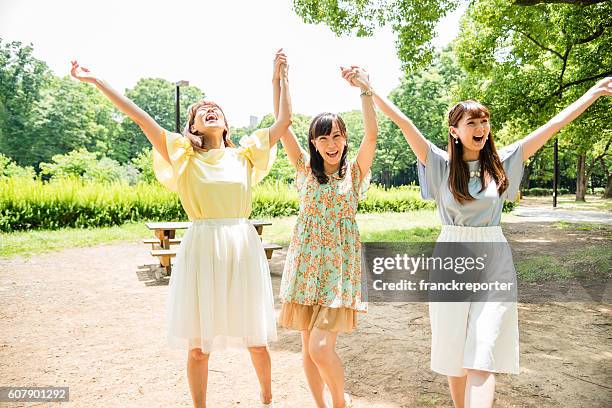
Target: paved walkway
x: 550, y: 214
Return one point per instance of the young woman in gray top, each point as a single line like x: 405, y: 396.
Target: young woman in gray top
x: 473, y: 340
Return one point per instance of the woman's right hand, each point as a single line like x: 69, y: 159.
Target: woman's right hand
x: 81, y: 73
x: 280, y: 66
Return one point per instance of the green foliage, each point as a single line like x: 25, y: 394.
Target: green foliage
x: 525, y: 62
x: 70, y: 115
x: 508, y: 206
x: 8, y: 168
x: 413, y: 22
x: 394, y: 199
x: 86, y: 165
x: 22, y: 79
x: 70, y: 202
x: 157, y: 97
x: 143, y: 162
x: 424, y: 97
x: 540, y: 192
x: 282, y: 171
x: 61, y: 203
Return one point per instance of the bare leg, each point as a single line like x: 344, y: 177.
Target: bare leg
x: 263, y: 367
x: 479, y: 389
x: 197, y: 376
x: 315, y: 382
x: 457, y: 390
x: 322, y: 350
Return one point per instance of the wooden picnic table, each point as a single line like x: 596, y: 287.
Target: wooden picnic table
x: 165, y: 233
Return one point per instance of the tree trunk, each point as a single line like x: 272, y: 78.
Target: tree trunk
x: 527, y: 174
x: 608, y: 190
x: 581, y: 178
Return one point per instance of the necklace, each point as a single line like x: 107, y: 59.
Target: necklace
x: 475, y: 173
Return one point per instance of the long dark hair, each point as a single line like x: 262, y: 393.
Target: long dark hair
x: 196, y: 138
x: 321, y: 125
x: 490, y: 164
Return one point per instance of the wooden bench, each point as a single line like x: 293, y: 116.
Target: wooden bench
x: 165, y: 238
x: 270, y: 248
x: 156, y: 243
x: 165, y: 256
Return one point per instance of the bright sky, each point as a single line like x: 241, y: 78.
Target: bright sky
x: 223, y: 47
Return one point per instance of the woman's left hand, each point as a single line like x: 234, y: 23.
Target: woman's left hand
x: 603, y: 87
x: 356, y: 76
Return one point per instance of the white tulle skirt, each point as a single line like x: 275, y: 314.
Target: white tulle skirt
x: 220, y: 292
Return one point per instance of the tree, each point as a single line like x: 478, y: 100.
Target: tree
x: 8, y: 168
x: 22, y: 79
x: 425, y: 97
x: 282, y: 169
x: 155, y: 96
x: 413, y: 22
x: 70, y: 115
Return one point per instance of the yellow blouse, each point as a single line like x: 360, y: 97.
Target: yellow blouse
x: 215, y: 183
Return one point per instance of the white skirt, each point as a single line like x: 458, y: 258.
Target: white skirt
x: 475, y: 335
x: 220, y: 289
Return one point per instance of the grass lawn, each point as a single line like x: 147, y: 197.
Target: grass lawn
x: 592, y: 263
x: 420, y: 226
x: 568, y: 202
x: 416, y: 226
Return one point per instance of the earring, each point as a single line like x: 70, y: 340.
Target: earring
x: 456, y: 141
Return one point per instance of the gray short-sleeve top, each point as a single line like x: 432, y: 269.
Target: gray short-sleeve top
x: 486, y: 209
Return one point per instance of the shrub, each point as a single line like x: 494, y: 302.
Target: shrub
x: 8, y: 168
x: 72, y: 202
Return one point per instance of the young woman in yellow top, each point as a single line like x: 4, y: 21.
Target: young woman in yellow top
x: 220, y: 291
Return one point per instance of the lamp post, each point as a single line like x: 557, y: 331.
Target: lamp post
x: 556, y: 171
x: 177, y: 101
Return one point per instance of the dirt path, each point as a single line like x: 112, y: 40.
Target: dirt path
x: 93, y: 319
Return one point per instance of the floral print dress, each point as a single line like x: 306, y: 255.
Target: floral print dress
x: 323, y: 266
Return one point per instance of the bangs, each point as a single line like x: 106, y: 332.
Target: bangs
x: 469, y: 109
x: 323, y: 123
x: 475, y: 110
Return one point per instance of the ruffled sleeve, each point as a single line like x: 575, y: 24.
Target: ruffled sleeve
x: 432, y: 173
x: 256, y: 149
x: 360, y: 186
x: 512, y: 159
x: 180, y: 152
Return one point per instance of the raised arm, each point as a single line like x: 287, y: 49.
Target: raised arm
x: 537, y: 138
x: 280, y: 93
x: 283, y: 113
x: 365, y: 156
x: 150, y: 128
x: 413, y: 136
